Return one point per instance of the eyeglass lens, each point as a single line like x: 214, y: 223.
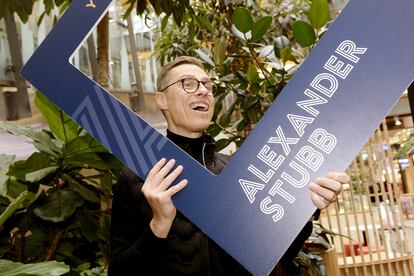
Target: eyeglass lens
x: 192, y: 85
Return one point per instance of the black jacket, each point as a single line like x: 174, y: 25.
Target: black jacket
x: 187, y: 250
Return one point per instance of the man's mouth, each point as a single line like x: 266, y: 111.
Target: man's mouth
x: 199, y: 107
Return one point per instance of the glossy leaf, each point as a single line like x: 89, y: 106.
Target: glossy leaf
x: 156, y: 4
x: 37, y: 161
x: 5, y: 160
x: 222, y: 143
x: 214, y: 130
x: 88, y: 224
x: 242, y: 19
x: 82, y: 189
x: 38, y: 136
x: 304, y: 33
x: 219, y: 52
x: 319, y: 13
x: 204, y: 22
x: 81, y: 145
x: 106, y: 184
x: 59, y: 205
x: 252, y: 74
x: 101, y: 161
x: 204, y: 57
x: 62, y: 126
x: 225, y: 118
x: 13, y: 207
x: 51, y: 268
x: 260, y: 28
x: 38, y: 175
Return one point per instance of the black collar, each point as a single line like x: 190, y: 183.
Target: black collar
x: 194, y: 146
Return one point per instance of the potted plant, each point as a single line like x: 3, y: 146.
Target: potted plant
x: 318, y: 255
x: 56, y: 204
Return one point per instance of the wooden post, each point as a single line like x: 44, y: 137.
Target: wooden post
x: 139, y: 103
x: 22, y: 95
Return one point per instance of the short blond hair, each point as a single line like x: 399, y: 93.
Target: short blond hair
x: 178, y: 61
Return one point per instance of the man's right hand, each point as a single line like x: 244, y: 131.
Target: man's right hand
x: 158, y: 192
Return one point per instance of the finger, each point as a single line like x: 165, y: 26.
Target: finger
x: 170, y: 178
x: 163, y: 172
x: 329, y: 183
x: 341, y: 177
x: 323, y: 192
x: 176, y: 188
x: 319, y: 202
x: 157, y: 167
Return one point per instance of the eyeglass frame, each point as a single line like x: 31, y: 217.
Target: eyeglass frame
x: 182, y: 84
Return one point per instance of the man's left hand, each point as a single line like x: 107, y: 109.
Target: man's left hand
x: 324, y: 190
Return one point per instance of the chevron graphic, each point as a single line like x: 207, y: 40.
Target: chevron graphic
x: 250, y: 228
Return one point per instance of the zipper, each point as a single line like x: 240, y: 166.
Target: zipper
x: 202, y: 155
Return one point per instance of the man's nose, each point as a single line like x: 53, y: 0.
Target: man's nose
x: 202, y: 90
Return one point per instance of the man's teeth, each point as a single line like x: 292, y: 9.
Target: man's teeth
x: 199, y: 106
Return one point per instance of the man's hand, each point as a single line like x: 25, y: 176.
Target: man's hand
x: 158, y: 193
x: 324, y: 190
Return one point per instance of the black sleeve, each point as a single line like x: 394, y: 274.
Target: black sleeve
x: 134, y: 247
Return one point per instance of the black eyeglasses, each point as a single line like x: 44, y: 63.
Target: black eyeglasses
x: 191, y: 85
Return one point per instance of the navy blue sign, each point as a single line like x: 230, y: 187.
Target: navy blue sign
x: 256, y: 207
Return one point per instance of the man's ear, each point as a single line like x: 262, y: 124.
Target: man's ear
x: 161, y: 100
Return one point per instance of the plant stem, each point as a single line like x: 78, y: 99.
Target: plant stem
x: 55, y: 236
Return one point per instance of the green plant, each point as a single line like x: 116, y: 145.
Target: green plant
x: 309, y: 260
x: 56, y: 204
x: 251, y: 53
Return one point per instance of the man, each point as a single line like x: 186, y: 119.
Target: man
x: 149, y: 236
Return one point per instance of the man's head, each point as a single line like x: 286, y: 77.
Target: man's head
x: 185, y: 96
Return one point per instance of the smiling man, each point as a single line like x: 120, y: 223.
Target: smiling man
x: 149, y: 236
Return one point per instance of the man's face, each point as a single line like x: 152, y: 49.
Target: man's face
x: 187, y: 114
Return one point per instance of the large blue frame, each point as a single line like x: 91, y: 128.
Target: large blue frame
x: 256, y: 207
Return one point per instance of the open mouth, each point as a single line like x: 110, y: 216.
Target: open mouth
x: 202, y: 107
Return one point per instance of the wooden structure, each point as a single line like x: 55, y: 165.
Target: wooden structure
x: 368, y: 213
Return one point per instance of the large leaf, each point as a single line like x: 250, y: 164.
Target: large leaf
x: 242, y: 19
x: 104, y: 227
x: 101, y: 161
x: 40, y: 137
x: 37, y: 161
x: 225, y: 118
x: 62, y: 126
x: 52, y: 268
x: 82, y: 189
x: 89, y: 225
x: 204, y: 22
x: 38, y: 175
x: 304, y: 33
x: 13, y: 207
x: 106, y: 183
x: 204, y: 57
x: 15, y: 187
x: 81, y: 145
x: 260, y: 28
x: 58, y: 205
x: 18, y: 170
x: 319, y: 13
x: 5, y: 160
x: 219, y: 52
x: 35, y: 242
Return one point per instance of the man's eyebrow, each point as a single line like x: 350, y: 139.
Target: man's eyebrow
x: 186, y: 75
